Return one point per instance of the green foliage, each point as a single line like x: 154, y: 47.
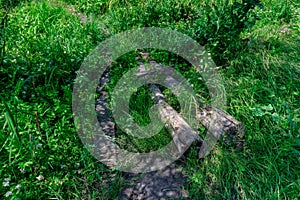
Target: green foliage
x: 43, y: 44
x: 220, y: 26
x: 262, y: 92
x: 9, y: 4
x: 90, y: 6
x: 41, y: 154
x: 282, y: 11
x: 216, y: 24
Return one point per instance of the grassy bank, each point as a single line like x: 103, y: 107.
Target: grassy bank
x: 43, y: 44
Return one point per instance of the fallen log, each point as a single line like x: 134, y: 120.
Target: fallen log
x: 215, y: 120
x: 183, y: 135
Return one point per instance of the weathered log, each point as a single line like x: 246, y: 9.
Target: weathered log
x: 183, y: 135
x: 230, y: 125
x: 215, y: 120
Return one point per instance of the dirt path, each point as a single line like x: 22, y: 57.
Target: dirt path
x: 162, y: 184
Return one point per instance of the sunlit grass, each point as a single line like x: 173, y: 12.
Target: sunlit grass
x: 42, y: 156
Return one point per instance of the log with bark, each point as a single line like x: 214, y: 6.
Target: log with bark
x: 215, y: 120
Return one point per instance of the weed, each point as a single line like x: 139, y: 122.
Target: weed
x: 43, y: 45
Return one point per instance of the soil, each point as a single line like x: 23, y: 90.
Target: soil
x: 162, y: 184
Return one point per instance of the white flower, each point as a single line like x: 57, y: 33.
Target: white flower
x: 40, y: 177
x: 7, y: 179
x: 18, y: 186
x: 39, y: 145
x: 5, y: 184
x: 7, y: 194
x: 22, y: 170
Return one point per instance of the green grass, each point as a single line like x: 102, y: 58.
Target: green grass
x: 41, y: 154
x: 262, y: 87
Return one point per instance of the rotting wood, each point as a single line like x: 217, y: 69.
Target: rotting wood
x: 215, y: 120
x: 183, y: 135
